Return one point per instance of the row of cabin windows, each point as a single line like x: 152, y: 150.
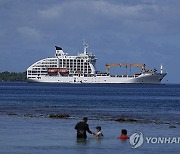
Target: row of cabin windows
x: 45, y: 72
x: 54, y: 61
x: 34, y: 70
x: 31, y: 72
x: 38, y: 67
x: 41, y: 66
x: 50, y: 60
x: 62, y: 62
x: 76, y: 69
x: 71, y: 60
x: 74, y: 63
x: 71, y: 66
x: 35, y: 74
x: 65, y: 66
x: 49, y: 63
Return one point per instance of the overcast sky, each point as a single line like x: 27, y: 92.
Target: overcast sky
x: 117, y: 31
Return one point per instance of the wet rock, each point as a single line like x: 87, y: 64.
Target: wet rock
x: 12, y: 114
x: 126, y: 120
x: 172, y: 126
x: 120, y: 120
x: 59, y: 116
x: 130, y: 120
x: 29, y: 115
x: 160, y: 122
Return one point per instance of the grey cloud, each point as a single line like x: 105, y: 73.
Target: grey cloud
x: 133, y: 17
x: 30, y: 33
x: 53, y: 12
x: 105, y: 8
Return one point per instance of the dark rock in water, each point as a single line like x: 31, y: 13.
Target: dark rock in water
x: 126, y: 120
x: 120, y: 120
x: 160, y: 122
x: 30, y: 115
x: 12, y: 114
x: 172, y: 126
x: 133, y: 120
x: 59, y: 116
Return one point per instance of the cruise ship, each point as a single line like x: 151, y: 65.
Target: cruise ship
x: 81, y: 69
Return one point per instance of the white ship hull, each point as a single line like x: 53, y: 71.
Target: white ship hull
x: 143, y: 78
x: 81, y: 69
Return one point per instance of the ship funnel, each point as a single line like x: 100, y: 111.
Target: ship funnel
x: 59, y: 51
x: 58, y: 48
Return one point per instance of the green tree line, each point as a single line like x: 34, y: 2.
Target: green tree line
x: 12, y: 76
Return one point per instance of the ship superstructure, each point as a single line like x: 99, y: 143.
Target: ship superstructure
x: 81, y: 69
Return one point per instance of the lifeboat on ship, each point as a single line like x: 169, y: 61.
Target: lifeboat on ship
x: 63, y: 71
x: 52, y: 70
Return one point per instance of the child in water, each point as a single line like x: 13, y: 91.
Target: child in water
x: 99, y: 133
x: 123, y: 135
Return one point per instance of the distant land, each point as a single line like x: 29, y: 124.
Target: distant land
x: 12, y: 76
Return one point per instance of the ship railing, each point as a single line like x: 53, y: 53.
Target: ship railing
x: 123, y: 76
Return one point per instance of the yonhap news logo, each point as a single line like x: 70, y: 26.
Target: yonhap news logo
x: 137, y: 139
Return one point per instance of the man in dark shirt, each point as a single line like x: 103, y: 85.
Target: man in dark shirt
x: 82, y: 127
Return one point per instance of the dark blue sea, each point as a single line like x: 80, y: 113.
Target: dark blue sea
x: 99, y: 101
x: 31, y: 115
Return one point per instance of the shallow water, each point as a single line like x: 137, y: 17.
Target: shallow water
x: 26, y: 128
x: 43, y: 135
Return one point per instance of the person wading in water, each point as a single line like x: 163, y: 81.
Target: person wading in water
x: 82, y: 127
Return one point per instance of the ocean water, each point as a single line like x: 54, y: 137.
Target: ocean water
x: 26, y: 108
x: 97, y: 101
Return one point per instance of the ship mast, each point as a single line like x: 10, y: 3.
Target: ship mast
x: 85, y: 45
x: 161, y: 68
